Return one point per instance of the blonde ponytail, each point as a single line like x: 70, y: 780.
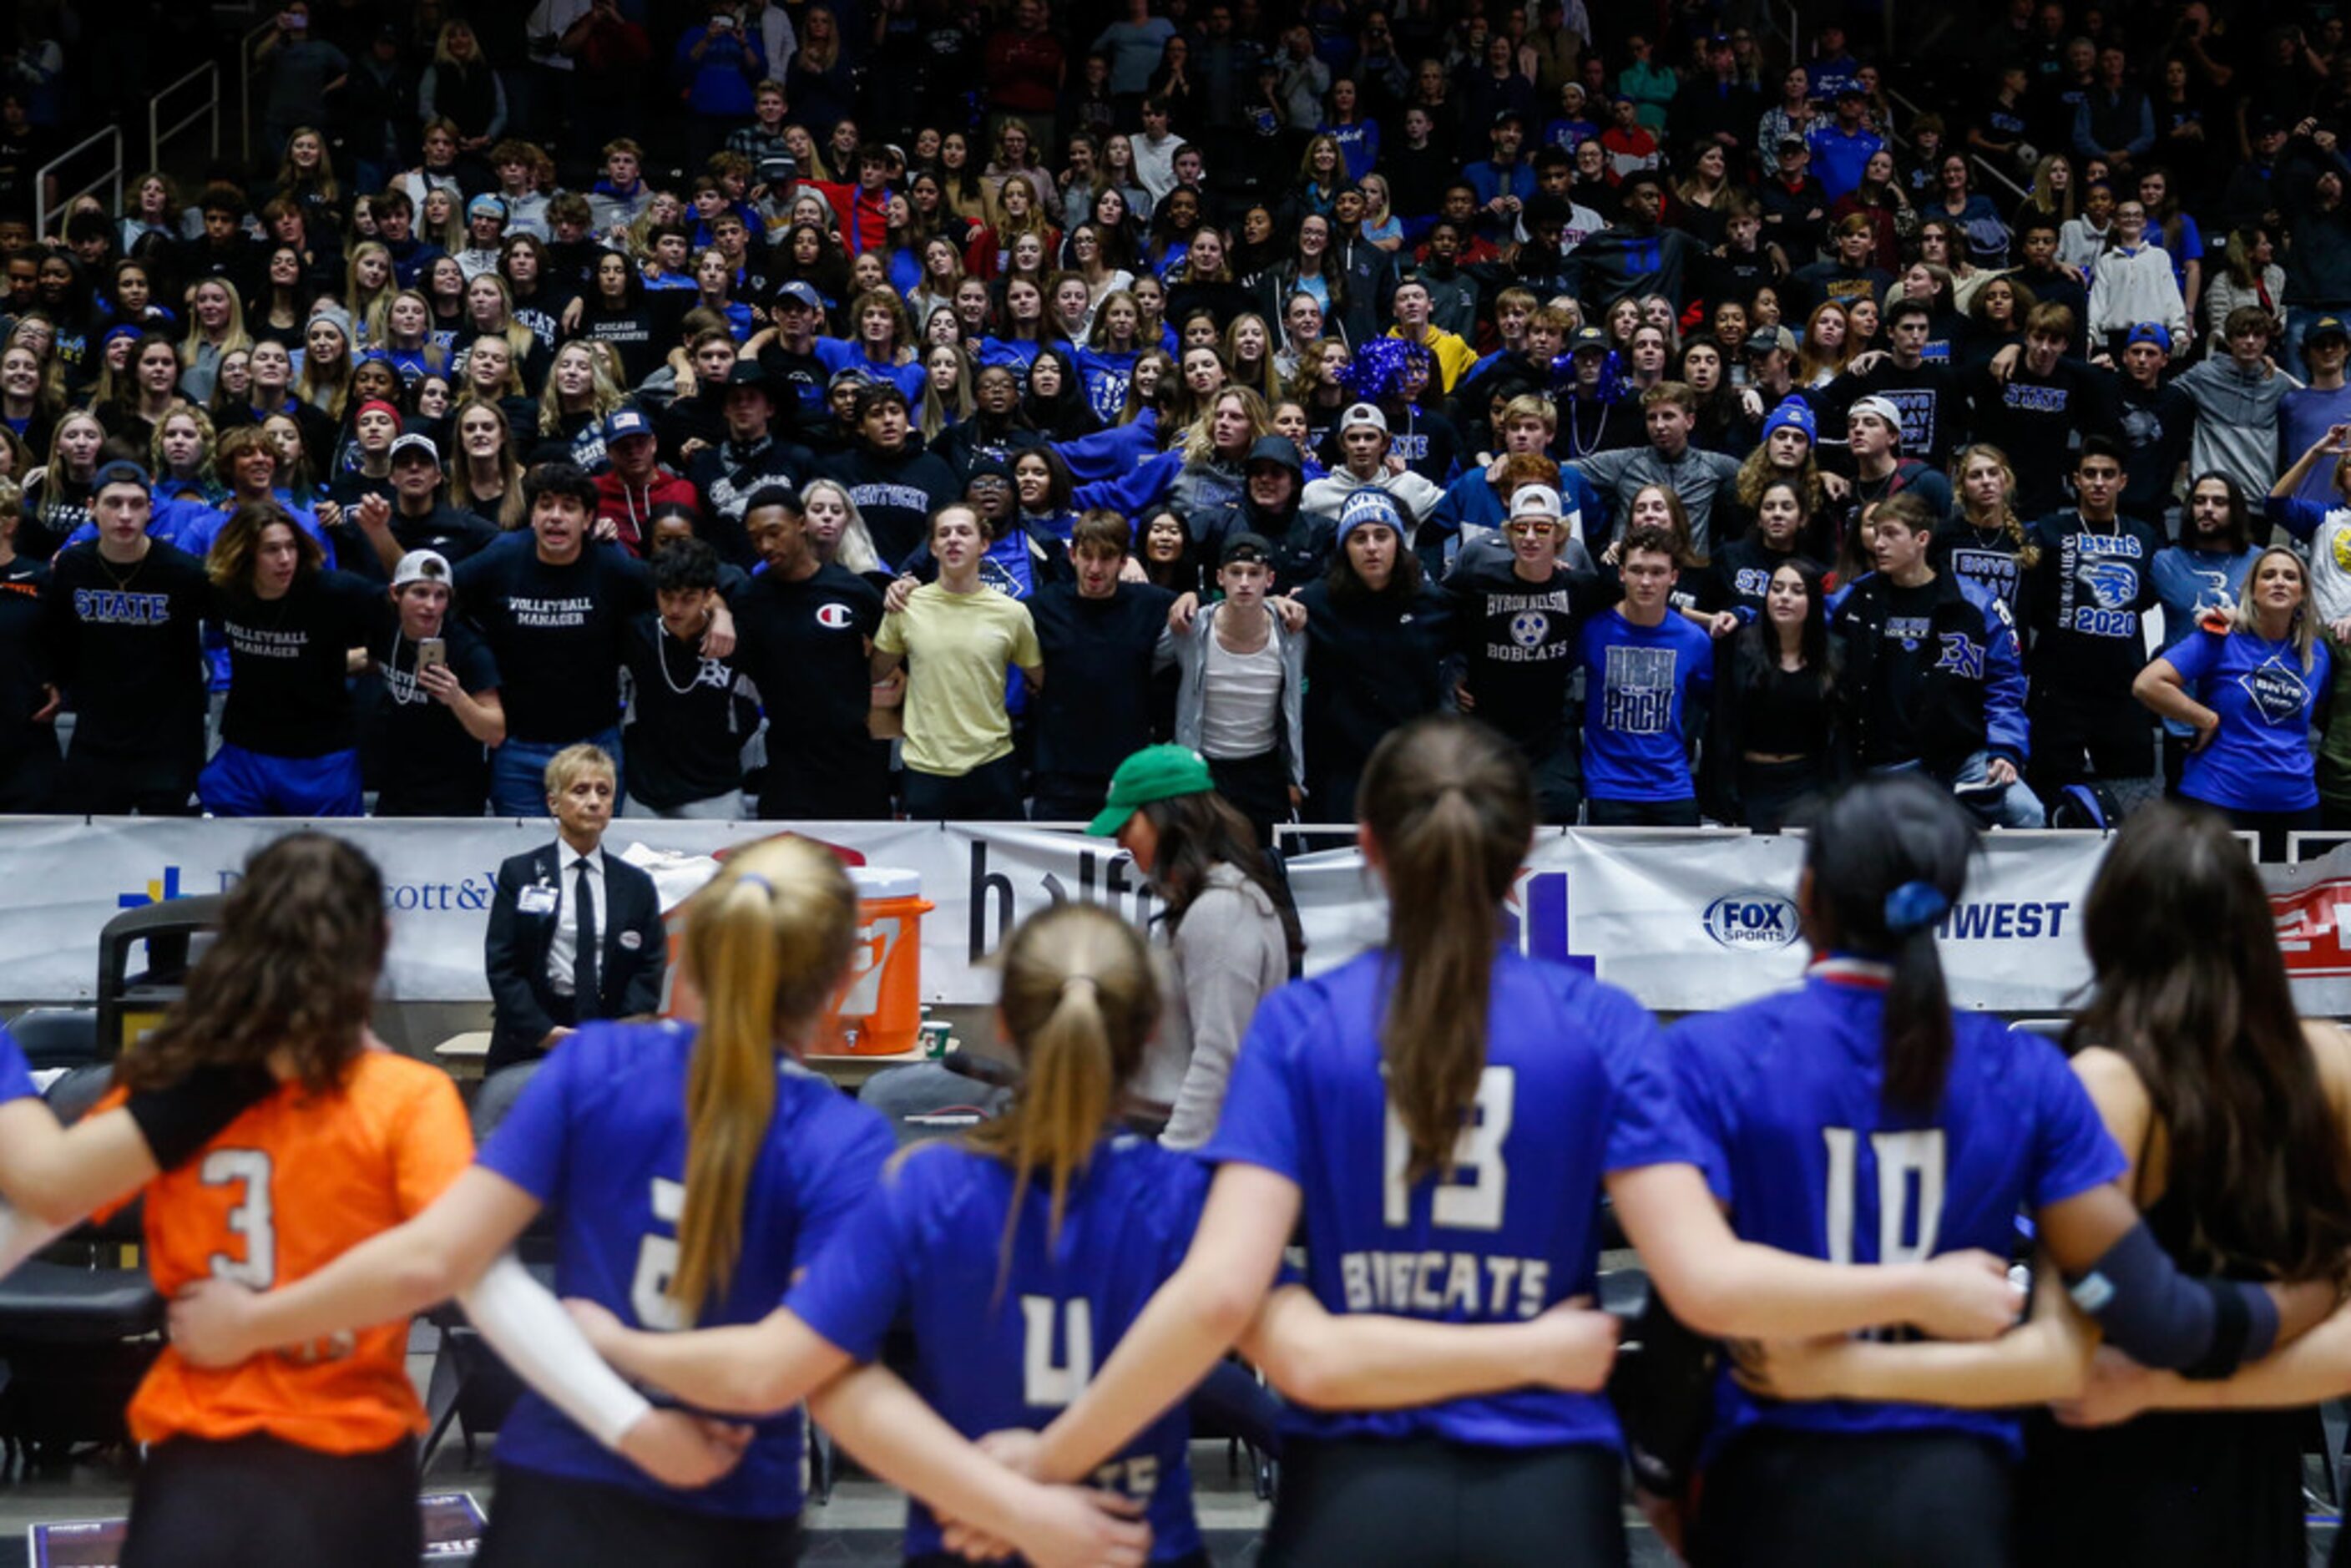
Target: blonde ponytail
x: 766, y: 943
x: 1078, y: 1002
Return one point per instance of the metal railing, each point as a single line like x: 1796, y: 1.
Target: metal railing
x: 157, y: 132
x: 246, y: 61
x: 1983, y: 166
x: 43, y: 212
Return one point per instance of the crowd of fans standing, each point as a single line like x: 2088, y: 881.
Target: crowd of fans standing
x: 841, y: 409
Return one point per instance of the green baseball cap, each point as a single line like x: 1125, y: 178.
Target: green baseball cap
x: 1153, y: 773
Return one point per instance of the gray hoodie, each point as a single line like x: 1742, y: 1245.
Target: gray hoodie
x: 1229, y: 955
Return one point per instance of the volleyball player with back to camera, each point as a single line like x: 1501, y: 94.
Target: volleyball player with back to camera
x: 345, y: 1139
x: 692, y: 1171
x: 2231, y: 1113
x: 1021, y: 1255
x: 1444, y: 1114
x: 1859, y: 1119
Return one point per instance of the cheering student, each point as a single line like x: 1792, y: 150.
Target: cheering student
x: 689, y: 714
x: 1097, y: 635
x: 122, y: 622
x: 421, y: 747
x: 807, y: 628
x: 1444, y: 1115
x: 2194, y: 1093
x: 1241, y: 675
x: 693, y: 1172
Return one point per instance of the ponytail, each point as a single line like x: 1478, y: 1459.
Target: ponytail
x: 1885, y: 863
x: 1917, y: 1023
x: 1450, y: 805
x: 1078, y: 1002
x: 766, y: 944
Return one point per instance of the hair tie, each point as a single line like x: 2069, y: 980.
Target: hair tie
x: 753, y: 879
x: 1914, y: 906
x: 1086, y: 982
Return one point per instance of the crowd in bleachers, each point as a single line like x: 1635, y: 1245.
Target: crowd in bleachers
x: 917, y: 405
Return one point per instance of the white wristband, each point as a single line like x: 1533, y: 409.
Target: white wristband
x: 532, y: 1334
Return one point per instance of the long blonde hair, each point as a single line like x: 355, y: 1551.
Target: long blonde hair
x: 767, y: 943
x: 1079, y: 1004
x: 2304, y: 633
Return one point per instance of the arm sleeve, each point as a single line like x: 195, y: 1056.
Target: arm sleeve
x: 2296, y: 516
x: 533, y: 1335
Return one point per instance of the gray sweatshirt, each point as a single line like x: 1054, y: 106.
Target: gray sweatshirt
x: 2236, y: 421
x: 1228, y: 955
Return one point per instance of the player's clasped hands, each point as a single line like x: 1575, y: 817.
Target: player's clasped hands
x: 210, y: 1324
x: 1082, y: 1525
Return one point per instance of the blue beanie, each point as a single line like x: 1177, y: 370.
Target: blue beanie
x: 1368, y: 504
x: 1793, y: 412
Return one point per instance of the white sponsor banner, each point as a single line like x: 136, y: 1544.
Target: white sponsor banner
x: 1696, y: 919
x: 1683, y: 920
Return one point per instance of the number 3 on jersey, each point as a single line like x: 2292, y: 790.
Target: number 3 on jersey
x: 248, y: 1171
x: 1470, y: 1196
x: 1910, y: 1193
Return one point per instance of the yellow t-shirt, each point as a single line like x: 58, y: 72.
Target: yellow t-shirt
x: 1452, y: 355
x: 958, y: 648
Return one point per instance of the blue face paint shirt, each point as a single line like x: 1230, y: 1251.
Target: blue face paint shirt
x: 1573, y: 1088
x: 1786, y: 1093
x: 600, y: 1137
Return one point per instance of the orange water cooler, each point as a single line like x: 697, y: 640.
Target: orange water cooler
x: 879, y: 1012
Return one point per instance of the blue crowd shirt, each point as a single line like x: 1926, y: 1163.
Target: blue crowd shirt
x: 1010, y: 1345
x: 1637, y: 684
x: 1573, y: 1087
x: 2260, y: 757
x: 1787, y: 1095
x: 599, y: 1137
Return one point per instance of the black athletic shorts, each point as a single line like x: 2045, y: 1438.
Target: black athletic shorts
x: 538, y: 1520
x: 1889, y: 1499
x: 263, y: 1502
x: 1427, y: 1503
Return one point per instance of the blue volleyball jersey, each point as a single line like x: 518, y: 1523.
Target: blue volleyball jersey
x: 1573, y: 1088
x: 599, y: 1137
x: 15, y: 1072
x: 999, y: 1347
x: 1786, y: 1094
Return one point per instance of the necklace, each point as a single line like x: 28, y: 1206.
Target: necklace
x: 123, y: 581
x: 661, y: 652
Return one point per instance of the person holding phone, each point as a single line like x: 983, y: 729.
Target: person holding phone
x: 436, y: 703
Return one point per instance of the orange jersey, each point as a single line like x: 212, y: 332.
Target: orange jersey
x: 284, y: 1189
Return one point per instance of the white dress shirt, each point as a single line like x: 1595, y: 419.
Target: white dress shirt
x: 566, y: 940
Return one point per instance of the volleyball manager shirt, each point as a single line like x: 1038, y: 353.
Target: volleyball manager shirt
x: 599, y: 1136
x: 1573, y: 1088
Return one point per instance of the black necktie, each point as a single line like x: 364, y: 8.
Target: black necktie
x: 584, y: 999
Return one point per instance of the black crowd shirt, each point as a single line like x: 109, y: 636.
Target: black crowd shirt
x: 126, y: 641
x: 689, y: 715
x: 2084, y: 600
x: 557, y: 633
x: 455, y: 535
x: 288, y: 658
x: 2036, y: 420
x: 895, y: 495
x: 1095, y: 709
x: 415, y: 754
x: 1520, y: 640
x: 804, y: 645
x: 1743, y: 571
x: 1893, y: 701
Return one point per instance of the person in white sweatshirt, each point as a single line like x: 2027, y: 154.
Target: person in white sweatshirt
x: 1363, y: 465
x: 2131, y: 281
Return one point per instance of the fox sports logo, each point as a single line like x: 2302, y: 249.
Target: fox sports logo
x: 1763, y: 920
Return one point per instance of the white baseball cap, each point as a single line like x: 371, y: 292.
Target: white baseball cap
x: 1362, y: 414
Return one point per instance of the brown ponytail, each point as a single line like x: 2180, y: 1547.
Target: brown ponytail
x: 766, y: 943
x: 1450, y: 805
x: 1078, y: 1002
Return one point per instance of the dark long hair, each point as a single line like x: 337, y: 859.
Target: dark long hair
x: 2191, y: 990
x: 302, y: 938
x: 1452, y: 805
x: 1885, y: 854
x: 1198, y: 832
x: 1757, y: 650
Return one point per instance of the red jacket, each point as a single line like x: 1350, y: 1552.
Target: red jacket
x: 633, y: 506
